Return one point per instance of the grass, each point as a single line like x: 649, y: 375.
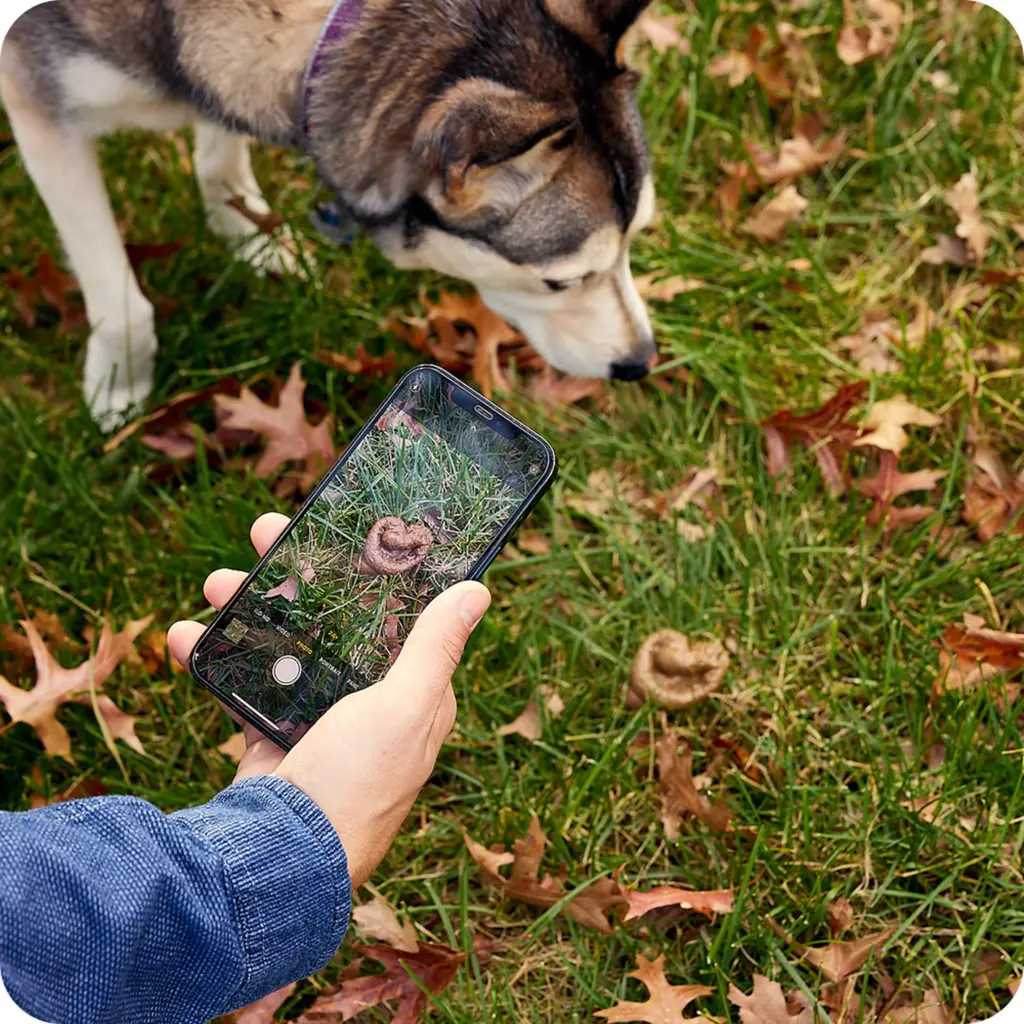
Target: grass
x: 835, y: 625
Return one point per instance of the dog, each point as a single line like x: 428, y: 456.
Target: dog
x: 498, y: 141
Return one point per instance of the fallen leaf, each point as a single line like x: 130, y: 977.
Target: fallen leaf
x: 840, y: 916
x: 553, y: 702
x: 361, y: 363
x: 533, y: 543
x: 551, y: 388
x: 527, y: 724
x: 290, y: 437
x: 589, y: 907
x: 870, y: 345
x: 929, y: 1010
x: 737, y: 65
x: 679, y: 794
x: 947, y: 250
x: 993, y: 499
x: 46, y: 285
x: 263, y: 1010
x: 234, y: 747
x: 378, y: 920
x: 433, y: 968
x: 771, y: 221
x: 665, y: 289
x: 841, y: 959
x: 823, y: 431
x: 675, y: 673
x: 885, y: 422
x: 152, y: 654
x: 711, y: 902
x: 970, y: 656
x: 875, y: 38
x: 797, y: 156
x: 963, y: 200
x: 767, y: 1004
x: 662, y: 31
x: 889, y: 484
x: 56, y: 685
x: 666, y: 1002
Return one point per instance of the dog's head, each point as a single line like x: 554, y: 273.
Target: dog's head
x: 522, y: 168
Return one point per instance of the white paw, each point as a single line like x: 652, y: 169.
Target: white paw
x: 119, y: 371
x: 268, y: 255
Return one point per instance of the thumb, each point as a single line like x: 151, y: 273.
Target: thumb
x: 434, y: 648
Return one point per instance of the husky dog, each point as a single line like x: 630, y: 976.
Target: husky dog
x: 494, y: 140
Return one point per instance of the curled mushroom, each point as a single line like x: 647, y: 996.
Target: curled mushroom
x: 393, y: 546
x: 674, y: 673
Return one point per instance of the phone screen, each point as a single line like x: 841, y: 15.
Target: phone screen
x: 424, y: 497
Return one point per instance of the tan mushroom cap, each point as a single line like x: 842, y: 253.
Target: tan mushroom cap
x: 675, y: 673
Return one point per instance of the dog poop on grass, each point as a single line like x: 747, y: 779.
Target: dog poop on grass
x: 673, y: 673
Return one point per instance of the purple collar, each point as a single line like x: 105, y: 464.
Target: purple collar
x: 343, y: 18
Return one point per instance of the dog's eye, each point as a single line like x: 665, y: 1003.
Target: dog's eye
x: 560, y: 286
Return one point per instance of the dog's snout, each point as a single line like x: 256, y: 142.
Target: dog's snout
x: 629, y: 369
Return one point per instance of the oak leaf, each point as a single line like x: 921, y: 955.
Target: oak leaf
x: 289, y: 435
x: 56, y: 685
x: 674, y: 673
x: 875, y: 37
x: 552, y: 388
x: 662, y: 31
x: 824, y: 431
x: 47, y: 285
x: 993, y: 499
x: 797, y: 156
x: 885, y: 422
x: 771, y: 220
x: 263, y: 1010
x: 974, y: 655
x: 738, y: 65
x: 709, y: 902
x: 841, y: 959
x: 433, y: 968
x: 767, y: 1004
x: 361, y: 363
x: 657, y: 288
x: 378, y: 920
x: 889, y: 484
x: 589, y: 907
x: 963, y: 200
x: 928, y: 1010
x: 679, y: 793
x: 666, y: 1002
x: 840, y: 916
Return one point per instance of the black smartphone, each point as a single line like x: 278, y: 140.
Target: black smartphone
x: 426, y: 495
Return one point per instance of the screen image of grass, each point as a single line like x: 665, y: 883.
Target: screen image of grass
x: 406, y: 516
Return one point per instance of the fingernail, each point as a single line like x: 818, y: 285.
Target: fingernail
x: 473, y: 607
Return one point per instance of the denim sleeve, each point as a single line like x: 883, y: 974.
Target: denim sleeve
x: 111, y: 911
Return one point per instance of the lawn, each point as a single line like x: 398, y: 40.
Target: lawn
x: 834, y: 624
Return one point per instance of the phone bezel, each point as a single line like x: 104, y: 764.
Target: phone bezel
x: 530, y: 500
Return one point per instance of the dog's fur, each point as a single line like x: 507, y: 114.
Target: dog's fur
x: 495, y: 140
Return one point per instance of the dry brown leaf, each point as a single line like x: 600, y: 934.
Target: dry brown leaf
x: 533, y: 543
x: 710, y: 902
x: 527, y: 724
x: 234, y: 747
x: 46, y: 285
x: 662, y: 31
x: 972, y: 656
x: 870, y: 346
x: 890, y: 484
x: 378, y: 920
x: 290, y: 437
x: 263, y: 1010
x: 767, y: 1004
x: 875, y: 37
x: 841, y: 959
x: 997, y: 355
x: 665, y: 289
x: 1014, y: 985
x: 738, y: 66
x: 963, y: 200
x: 772, y: 219
x: 823, y: 431
x: 993, y: 499
x: 840, y: 916
x: 947, y: 250
x: 552, y: 388
x: 797, y: 156
x: 361, y: 363
x: 679, y: 794
x: 433, y: 968
x: 56, y: 685
x: 885, y: 422
x: 666, y: 1002
x: 674, y: 673
x: 929, y: 1010
x: 553, y: 703
x: 589, y: 907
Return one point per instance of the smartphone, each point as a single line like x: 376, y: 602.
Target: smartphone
x: 426, y: 495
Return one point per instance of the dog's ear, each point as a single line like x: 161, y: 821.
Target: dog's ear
x: 601, y: 24
x: 483, y: 147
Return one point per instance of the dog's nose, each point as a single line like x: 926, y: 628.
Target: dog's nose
x: 629, y: 369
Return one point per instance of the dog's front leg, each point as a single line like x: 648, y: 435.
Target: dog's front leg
x: 65, y: 168
x: 224, y: 173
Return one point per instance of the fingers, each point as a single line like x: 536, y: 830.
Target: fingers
x: 266, y: 530
x: 434, y: 648
x: 181, y: 638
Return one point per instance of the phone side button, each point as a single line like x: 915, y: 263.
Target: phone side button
x: 262, y: 718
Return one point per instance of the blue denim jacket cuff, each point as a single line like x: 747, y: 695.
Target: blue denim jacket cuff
x: 288, y: 874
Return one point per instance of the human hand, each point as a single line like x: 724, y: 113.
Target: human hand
x: 364, y: 762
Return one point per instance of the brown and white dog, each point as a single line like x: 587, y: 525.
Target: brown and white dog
x: 494, y: 140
